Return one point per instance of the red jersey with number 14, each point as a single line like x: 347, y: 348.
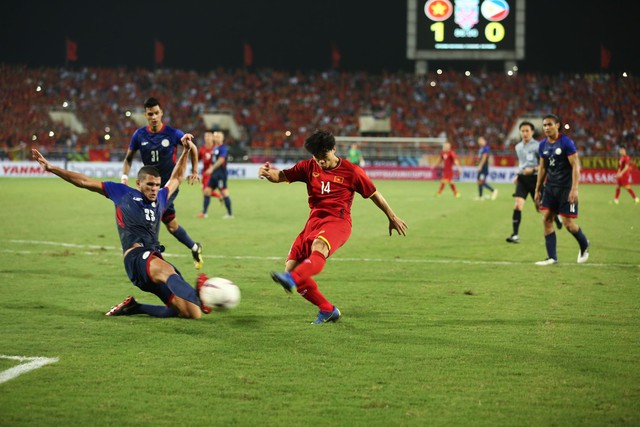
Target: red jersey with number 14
x: 331, y: 191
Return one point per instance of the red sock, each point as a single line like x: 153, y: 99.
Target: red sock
x: 309, y: 267
x: 308, y: 289
x: 617, y: 193
x: 632, y: 193
x: 453, y: 187
x: 215, y: 193
x: 441, y: 187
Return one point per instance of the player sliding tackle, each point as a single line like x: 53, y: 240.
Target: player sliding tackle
x: 138, y: 214
x: 331, y: 184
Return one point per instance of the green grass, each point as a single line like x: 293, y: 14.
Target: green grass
x: 449, y: 326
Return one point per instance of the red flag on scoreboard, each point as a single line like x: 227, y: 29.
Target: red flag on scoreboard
x: 248, y: 55
x: 335, y: 56
x: 72, y: 50
x: 159, y: 52
x: 605, y: 57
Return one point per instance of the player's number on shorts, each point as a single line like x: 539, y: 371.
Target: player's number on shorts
x: 572, y: 208
x: 150, y: 215
x: 326, y: 187
x: 155, y: 156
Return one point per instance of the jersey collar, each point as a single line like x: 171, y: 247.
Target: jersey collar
x: 161, y: 129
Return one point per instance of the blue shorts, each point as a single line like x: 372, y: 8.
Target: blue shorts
x: 556, y: 199
x: 483, y: 175
x: 137, y: 264
x: 218, y: 180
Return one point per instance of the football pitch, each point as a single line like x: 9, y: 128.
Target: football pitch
x: 448, y: 326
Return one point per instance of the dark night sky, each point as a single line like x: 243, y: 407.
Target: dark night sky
x: 561, y: 35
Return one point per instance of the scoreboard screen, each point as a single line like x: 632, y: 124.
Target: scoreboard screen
x: 465, y: 29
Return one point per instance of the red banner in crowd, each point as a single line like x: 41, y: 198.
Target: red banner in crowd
x: 72, y: 51
x: 248, y: 55
x: 335, y: 57
x: 99, y: 155
x: 159, y: 52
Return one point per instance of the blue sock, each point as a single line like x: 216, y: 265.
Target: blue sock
x: 227, y: 204
x: 582, y: 239
x: 157, y: 310
x: 480, y: 190
x: 205, y: 204
x: 182, y: 289
x: 183, y: 237
x: 488, y: 186
x: 550, y: 243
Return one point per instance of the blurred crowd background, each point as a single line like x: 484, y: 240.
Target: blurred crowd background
x: 276, y: 110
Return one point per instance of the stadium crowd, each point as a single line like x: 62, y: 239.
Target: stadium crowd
x: 602, y: 109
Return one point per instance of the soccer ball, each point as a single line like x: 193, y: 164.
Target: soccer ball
x: 220, y: 294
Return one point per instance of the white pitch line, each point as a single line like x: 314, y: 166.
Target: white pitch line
x: 335, y: 259
x: 66, y: 245
x: 32, y: 364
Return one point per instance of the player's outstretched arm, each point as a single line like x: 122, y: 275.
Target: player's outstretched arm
x: 395, y: 223
x: 177, y: 176
x: 126, y: 166
x: 193, y: 176
x: 75, y: 178
x: 271, y: 174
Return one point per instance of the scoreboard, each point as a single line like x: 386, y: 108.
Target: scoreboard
x: 465, y: 29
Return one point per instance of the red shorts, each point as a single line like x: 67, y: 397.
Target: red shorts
x: 334, y: 231
x: 447, y: 176
x: 624, y: 180
x: 205, y: 181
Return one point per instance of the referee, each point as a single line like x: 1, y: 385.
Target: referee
x: 528, y: 161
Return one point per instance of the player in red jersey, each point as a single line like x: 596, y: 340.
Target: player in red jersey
x: 206, y: 154
x: 331, y: 184
x: 624, y: 176
x: 448, y: 159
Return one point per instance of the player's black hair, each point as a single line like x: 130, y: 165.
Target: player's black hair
x: 525, y: 123
x: 320, y: 143
x: 148, y: 170
x: 151, y: 102
x: 554, y: 117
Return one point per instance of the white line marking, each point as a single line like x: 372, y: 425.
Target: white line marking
x: 66, y: 245
x: 335, y: 259
x: 32, y: 364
